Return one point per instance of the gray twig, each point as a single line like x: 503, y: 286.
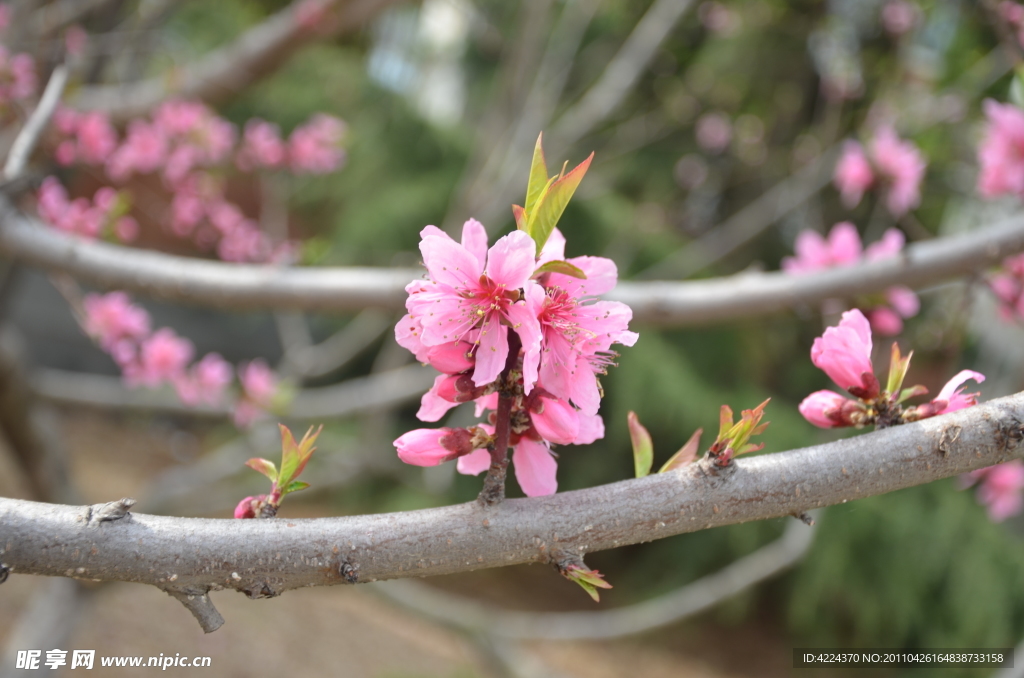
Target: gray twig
x: 27, y: 138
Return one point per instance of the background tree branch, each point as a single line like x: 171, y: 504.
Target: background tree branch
x: 226, y: 71
x: 240, y: 286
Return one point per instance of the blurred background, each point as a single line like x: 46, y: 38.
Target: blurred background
x: 716, y: 127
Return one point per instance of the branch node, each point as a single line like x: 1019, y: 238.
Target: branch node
x: 950, y: 435
x: 201, y: 607
x: 349, y: 571
x: 260, y: 590
x: 112, y: 510
x: 804, y: 517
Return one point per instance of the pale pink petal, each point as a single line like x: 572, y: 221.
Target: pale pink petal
x: 889, y: 246
x: 885, y: 321
x: 474, y: 463
x: 602, y: 274
x: 525, y: 324
x: 433, y: 406
x: 448, y: 262
x: 904, y: 300
x: 844, y: 244
x: 956, y: 399
x: 535, y: 468
x: 591, y: 429
x: 555, y: 420
x: 510, y: 262
x: 493, y: 351
x: 554, y: 248
x: 812, y: 254
x: 474, y: 239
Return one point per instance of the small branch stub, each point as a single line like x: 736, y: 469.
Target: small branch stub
x: 201, y: 607
x: 5, y: 572
x: 103, y: 513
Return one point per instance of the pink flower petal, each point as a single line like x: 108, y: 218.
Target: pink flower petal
x: 474, y: 463
x: 510, y: 262
x: 535, y: 468
x: 493, y: 351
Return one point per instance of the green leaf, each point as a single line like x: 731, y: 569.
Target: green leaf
x: 898, y: 367
x: 538, y: 180
x: 543, y: 218
x: 912, y: 392
x: 643, y: 449
x: 686, y: 454
x: 563, y: 267
x: 294, y: 487
x: 264, y: 466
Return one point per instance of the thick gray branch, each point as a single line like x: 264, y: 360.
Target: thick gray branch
x: 266, y: 557
x: 236, y: 286
x: 225, y: 72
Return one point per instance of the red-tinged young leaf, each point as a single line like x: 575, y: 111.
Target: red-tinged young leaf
x: 264, y: 466
x: 294, y: 457
x: 751, y: 447
x: 520, y: 214
x: 687, y: 454
x: 724, y: 422
x: 563, y: 267
x: 545, y: 215
x: 760, y: 429
x: 643, y: 449
x: 294, y: 486
x: 589, y: 580
x: 538, y: 180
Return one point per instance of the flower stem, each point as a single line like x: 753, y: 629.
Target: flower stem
x: 494, y: 484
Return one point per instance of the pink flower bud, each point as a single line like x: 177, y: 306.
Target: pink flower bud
x: 247, y: 507
x: 433, y: 446
x: 824, y: 409
x: 844, y: 354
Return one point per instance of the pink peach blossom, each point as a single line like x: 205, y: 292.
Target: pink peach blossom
x: 471, y: 294
x: 844, y: 354
x: 162, y: 358
x: 853, y: 174
x: 112, y: 317
x: 1001, y: 153
x: 315, y: 148
x: 952, y: 393
x: 902, y: 165
x: 1000, y: 490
